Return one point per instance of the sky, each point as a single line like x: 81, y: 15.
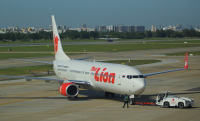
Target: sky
x: 72, y: 13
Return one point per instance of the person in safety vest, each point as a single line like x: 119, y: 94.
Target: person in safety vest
x: 126, y: 101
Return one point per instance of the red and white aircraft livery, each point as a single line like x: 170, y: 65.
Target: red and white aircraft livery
x: 111, y: 78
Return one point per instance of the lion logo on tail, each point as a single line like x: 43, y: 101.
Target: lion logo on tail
x: 56, y: 44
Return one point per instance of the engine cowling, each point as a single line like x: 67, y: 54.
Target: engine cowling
x: 69, y: 89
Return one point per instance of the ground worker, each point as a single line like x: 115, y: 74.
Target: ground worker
x: 126, y: 101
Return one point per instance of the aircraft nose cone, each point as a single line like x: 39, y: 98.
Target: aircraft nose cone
x: 140, y: 85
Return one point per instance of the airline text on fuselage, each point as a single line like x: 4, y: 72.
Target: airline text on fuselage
x: 62, y: 66
x: 104, y: 76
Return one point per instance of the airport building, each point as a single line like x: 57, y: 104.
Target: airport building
x: 102, y: 28
x: 121, y: 28
x: 152, y: 28
x: 83, y: 29
x: 177, y: 27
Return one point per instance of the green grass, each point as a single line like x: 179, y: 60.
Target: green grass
x: 179, y: 41
x: 24, y: 70
x: 51, y: 41
x: 27, y: 55
x: 44, y: 68
x: 133, y: 62
x: 23, y: 55
x: 182, y: 54
x: 98, y: 48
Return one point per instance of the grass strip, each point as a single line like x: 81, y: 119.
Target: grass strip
x: 133, y: 62
x: 28, y: 55
x: 182, y: 54
x: 25, y: 70
x: 23, y: 55
x: 98, y: 48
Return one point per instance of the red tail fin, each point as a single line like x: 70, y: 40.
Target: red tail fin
x: 186, y: 61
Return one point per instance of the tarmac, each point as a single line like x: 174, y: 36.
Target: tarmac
x: 37, y: 100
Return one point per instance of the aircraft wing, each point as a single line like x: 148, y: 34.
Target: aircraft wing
x: 83, y: 58
x: 45, y: 61
x: 78, y: 82
x: 162, y: 72
x: 33, y: 61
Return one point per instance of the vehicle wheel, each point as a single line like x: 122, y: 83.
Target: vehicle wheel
x: 166, y: 105
x: 112, y: 94
x: 132, y: 102
x: 180, y: 105
x: 107, y: 94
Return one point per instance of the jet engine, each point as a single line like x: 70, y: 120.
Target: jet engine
x: 69, y: 89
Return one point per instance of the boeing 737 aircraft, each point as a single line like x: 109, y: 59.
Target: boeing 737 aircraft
x: 110, y: 78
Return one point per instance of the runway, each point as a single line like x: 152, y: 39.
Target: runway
x: 37, y: 100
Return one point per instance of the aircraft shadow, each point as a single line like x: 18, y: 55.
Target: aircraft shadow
x: 91, y: 94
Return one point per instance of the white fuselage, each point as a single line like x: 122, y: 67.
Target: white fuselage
x: 102, y: 76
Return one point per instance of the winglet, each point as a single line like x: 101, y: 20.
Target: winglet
x: 58, y: 51
x: 186, y: 61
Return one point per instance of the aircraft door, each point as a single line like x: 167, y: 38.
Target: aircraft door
x: 120, y: 77
x: 86, y: 75
x: 68, y: 72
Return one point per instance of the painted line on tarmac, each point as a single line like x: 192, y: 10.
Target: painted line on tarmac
x: 117, y: 110
x: 27, y: 99
x: 34, y: 98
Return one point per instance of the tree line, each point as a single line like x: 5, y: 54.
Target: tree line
x: 94, y: 35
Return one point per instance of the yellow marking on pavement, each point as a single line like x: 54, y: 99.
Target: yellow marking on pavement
x: 27, y: 99
x: 107, y: 100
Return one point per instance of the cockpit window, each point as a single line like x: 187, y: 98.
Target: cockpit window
x: 141, y: 76
x: 134, y: 76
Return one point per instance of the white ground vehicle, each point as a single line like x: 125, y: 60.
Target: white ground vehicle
x: 167, y: 100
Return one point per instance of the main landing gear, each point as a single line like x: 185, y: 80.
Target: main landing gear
x: 109, y: 93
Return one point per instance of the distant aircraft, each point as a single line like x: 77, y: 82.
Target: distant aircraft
x: 108, y: 39
x: 107, y: 77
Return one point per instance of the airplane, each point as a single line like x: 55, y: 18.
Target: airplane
x: 108, y: 39
x: 107, y: 77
